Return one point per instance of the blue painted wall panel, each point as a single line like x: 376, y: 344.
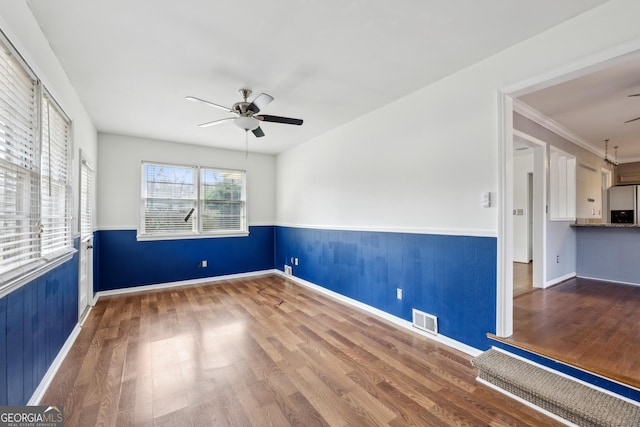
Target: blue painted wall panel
x: 452, y: 277
x: 15, y: 347
x: 29, y: 329
x: 41, y: 334
x: 35, y: 322
x: 3, y: 351
x: 124, y: 262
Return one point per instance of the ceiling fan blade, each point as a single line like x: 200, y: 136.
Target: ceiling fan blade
x: 633, y: 94
x: 258, y: 132
x: 211, y: 104
x: 216, y: 122
x: 279, y: 119
x: 260, y: 102
x: 632, y: 120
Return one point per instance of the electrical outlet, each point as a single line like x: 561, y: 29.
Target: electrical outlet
x: 399, y: 293
x: 557, y: 259
x: 295, y: 261
x: 204, y: 263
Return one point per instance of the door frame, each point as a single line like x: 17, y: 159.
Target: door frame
x: 504, y: 263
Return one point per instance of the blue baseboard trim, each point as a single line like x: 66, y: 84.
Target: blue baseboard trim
x: 589, y: 378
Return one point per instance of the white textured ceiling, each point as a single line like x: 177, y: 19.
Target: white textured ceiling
x: 596, y: 106
x: 328, y: 62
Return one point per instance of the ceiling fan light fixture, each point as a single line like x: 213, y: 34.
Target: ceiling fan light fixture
x: 246, y: 123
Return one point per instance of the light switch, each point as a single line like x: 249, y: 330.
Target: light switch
x: 486, y: 200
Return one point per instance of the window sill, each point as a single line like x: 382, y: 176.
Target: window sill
x: 152, y: 237
x: 18, y: 277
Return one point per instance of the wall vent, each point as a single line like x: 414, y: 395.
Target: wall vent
x: 426, y: 322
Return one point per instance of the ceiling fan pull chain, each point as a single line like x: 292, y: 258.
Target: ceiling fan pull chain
x: 246, y: 144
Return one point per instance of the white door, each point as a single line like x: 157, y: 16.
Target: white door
x: 85, y: 276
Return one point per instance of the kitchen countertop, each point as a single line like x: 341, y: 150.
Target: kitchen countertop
x: 606, y: 225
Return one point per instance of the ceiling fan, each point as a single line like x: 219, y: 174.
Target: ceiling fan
x: 247, y: 117
x: 637, y: 118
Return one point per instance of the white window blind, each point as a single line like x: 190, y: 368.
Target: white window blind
x: 169, y: 199
x: 86, y: 209
x: 222, y: 200
x: 19, y: 163
x: 191, y: 200
x: 55, y: 188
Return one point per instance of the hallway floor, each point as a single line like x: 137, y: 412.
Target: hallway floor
x: 586, y: 323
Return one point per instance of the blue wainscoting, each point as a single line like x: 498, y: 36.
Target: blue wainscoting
x: 124, y: 262
x: 452, y: 277
x: 35, y: 322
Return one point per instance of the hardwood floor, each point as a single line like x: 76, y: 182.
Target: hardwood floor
x: 587, y: 323
x: 223, y: 354
x: 522, y: 278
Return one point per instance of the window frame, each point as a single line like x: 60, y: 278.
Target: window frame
x: 196, y: 216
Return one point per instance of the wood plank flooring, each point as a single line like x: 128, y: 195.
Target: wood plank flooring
x: 587, y: 323
x: 223, y: 354
x: 522, y: 278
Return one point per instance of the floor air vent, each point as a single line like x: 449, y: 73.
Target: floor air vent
x: 425, y: 322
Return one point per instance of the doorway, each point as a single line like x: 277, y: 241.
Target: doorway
x: 529, y: 195
x: 85, y: 274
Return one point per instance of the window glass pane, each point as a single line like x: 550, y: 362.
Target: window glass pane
x: 222, y: 200
x: 56, y: 189
x: 86, y: 208
x: 169, y: 194
x: 19, y: 164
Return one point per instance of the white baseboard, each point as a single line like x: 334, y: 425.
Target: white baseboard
x: 53, y: 369
x: 610, y: 281
x: 559, y: 280
x: 472, y: 351
x: 144, y: 288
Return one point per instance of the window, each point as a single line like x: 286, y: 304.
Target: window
x: 34, y: 180
x: 191, y: 201
x: 19, y: 163
x: 55, y: 188
x: 562, y: 186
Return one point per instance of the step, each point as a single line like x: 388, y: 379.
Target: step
x: 571, y: 400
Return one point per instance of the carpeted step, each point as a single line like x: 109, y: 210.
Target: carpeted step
x: 570, y: 400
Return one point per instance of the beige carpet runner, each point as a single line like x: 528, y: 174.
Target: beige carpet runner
x: 573, y: 401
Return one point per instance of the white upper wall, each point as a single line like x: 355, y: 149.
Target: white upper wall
x: 19, y: 25
x: 120, y: 159
x: 423, y: 162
